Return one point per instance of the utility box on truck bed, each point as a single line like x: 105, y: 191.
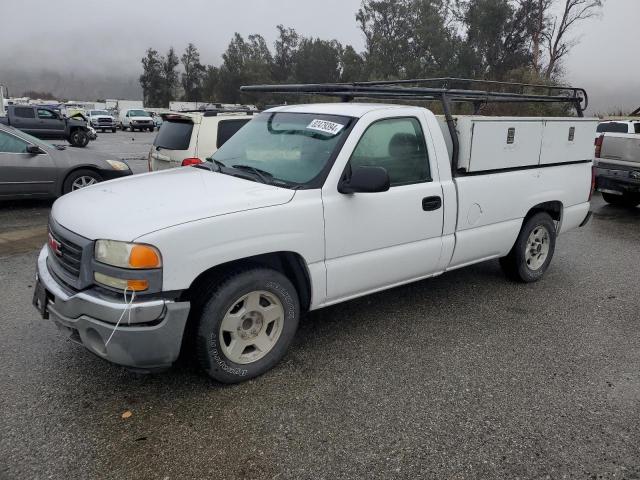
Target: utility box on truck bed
x: 497, y: 143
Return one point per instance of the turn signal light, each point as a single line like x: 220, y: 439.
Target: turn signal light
x: 191, y: 161
x: 121, y: 283
x: 143, y: 256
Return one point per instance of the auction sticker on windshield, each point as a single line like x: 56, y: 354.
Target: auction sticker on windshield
x: 325, y: 126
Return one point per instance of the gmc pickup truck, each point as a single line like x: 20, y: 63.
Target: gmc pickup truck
x: 306, y: 206
x: 47, y: 124
x: 618, y: 168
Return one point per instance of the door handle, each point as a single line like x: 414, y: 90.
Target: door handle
x: 431, y: 203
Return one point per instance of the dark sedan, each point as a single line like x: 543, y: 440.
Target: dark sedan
x: 32, y: 168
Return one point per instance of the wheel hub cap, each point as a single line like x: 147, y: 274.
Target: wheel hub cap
x: 251, y: 327
x: 537, y: 249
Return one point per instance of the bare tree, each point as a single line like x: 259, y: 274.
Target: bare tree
x: 555, y: 35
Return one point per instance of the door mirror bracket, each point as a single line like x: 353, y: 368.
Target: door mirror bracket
x: 34, y: 150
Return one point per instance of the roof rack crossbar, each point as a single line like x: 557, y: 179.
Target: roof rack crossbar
x: 441, y: 90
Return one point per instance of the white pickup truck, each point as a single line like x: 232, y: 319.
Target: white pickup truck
x: 306, y: 206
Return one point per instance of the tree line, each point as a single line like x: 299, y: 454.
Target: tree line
x: 509, y: 40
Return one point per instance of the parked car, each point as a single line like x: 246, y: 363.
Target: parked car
x: 30, y: 167
x: 101, y: 120
x: 157, y: 119
x: 306, y: 206
x: 618, y: 168
x: 136, y: 119
x: 188, y: 138
x: 45, y: 123
x: 618, y: 126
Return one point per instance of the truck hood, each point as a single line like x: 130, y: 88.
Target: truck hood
x: 128, y: 208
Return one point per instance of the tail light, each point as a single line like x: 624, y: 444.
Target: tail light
x: 599, y: 141
x: 191, y: 161
x: 593, y: 182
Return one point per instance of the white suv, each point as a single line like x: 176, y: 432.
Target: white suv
x: 189, y: 138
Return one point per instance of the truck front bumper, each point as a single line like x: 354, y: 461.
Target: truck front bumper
x: 151, y: 342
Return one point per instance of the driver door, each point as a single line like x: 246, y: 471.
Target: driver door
x: 51, y: 125
x: 377, y: 240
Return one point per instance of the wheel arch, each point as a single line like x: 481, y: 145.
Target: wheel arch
x: 69, y: 172
x: 554, y: 208
x: 291, y: 264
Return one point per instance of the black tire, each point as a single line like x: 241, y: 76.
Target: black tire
x: 216, y: 299
x: 79, y: 138
x: 626, y: 200
x: 113, y: 130
x: 515, y: 265
x: 67, y: 186
x: 102, y: 130
x: 151, y: 129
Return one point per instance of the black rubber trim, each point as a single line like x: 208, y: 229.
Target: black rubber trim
x: 517, y: 169
x: 586, y: 219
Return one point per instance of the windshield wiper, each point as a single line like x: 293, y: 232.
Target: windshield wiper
x: 263, y: 175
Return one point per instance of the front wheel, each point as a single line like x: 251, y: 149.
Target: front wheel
x: 79, y: 138
x: 626, y: 200
x: 531, y: 255
x: 80, y: 179
x: 113, y: 130
x: 246, y: 323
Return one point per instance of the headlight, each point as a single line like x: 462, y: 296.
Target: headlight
x: 127, y: 255
x: 118, y: 165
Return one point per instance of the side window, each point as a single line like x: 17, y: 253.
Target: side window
x: 12, y: 144
x: 24, y: 112
x: 636, y: 127
x: 397, y: 145
x: 46, y: 114
x: 227, y: 129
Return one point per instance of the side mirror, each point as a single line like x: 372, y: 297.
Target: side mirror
x: 365, y: 180
x: 34, y: 150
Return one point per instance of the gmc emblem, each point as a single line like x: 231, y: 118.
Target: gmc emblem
x: 54, y: 245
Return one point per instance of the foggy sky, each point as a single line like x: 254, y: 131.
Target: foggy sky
x: 98, y: 38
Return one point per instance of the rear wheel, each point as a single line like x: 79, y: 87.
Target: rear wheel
x: 625, y: 200
x: 531, y: 255
x: 79, y: 179
x: 245, y: 324
x: 79, y: 138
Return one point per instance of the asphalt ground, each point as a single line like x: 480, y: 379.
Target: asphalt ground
x: 463, y: 376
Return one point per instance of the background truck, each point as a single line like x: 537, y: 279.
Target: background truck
x: 101, y: 120
x: 617, y: 167
x: 46, y: 123
x: 308, y: 206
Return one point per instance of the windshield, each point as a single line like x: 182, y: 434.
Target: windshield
x: 99, y: 112
x: 138, y: 113
x: 290, y: 147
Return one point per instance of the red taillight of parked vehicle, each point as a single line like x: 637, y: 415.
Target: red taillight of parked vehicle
x: 599, y: 141
x: 191, y: 161
x: 593, y: 182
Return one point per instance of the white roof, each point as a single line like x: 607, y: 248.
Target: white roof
x: 343, y: 108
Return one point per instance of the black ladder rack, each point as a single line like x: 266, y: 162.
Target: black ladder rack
x: 438, y: 89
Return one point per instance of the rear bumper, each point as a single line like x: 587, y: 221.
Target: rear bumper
x: 609, y: 180
x: 150, y: 342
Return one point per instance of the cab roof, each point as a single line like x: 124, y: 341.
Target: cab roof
x: 346, y: 109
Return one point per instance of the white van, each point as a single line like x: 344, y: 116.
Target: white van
x: 189, y: 138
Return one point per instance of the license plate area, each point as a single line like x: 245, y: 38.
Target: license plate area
x: 41, y: 299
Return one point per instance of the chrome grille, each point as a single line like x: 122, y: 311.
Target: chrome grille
x: 66, y: 253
